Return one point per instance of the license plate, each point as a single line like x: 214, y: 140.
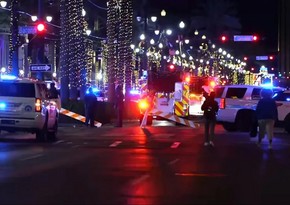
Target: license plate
x: 8, y: 122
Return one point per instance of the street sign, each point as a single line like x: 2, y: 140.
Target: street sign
x: 26, y: 29
x: 244, y: 38
x: 40, y: 68
x: 261, y: 58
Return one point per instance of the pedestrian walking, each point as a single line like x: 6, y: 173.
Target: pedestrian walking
x: 53, y: 94
x: 267, y: 114
x: 89, y: 101
x: 119, y: 105
x: 210, y: 108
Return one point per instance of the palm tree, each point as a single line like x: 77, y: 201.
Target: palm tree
x: 215, y: 17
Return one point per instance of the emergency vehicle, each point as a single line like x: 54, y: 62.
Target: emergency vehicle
x: 25, y: 106
x: 179, y: 94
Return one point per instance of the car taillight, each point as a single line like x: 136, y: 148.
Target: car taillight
x: 37, y: 105
x: 222, y: 103
x: 143, y: 104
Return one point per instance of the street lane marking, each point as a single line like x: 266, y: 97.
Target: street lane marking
x: 32, y: 157
x: 200, y: 174
x: 175, y: 145
x: 140, y: 179
x: 59, y: 141
x: 173, y: 161
x: 115, y: 144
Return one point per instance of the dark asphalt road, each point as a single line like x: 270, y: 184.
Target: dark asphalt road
x: 155, y: 165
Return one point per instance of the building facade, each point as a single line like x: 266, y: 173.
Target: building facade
x: 284, y: 37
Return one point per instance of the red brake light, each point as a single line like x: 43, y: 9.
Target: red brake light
x: 37, y: 105
x: 222, y: 103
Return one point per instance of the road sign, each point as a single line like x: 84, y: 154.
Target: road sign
x: 26, y: 29
x: 40, y: 68
x: 261, y: 58
x: 243, y: 38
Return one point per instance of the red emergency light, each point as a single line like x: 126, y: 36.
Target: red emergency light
x: 143, y: 104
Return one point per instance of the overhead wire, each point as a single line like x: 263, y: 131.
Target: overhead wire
x: 99, y: 7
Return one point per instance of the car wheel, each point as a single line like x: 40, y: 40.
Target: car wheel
x: 243, y: 121
x: 140, y: 119
x: 149, y: 120
x: 41, y: 135
x: 230, y: 127
x: 287, y: 124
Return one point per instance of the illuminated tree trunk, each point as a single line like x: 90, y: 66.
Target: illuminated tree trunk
x: 64, y: 69
x: 14, y: 39
x: 119, y: 34
x: 73, y: 52
x: 112, y: 47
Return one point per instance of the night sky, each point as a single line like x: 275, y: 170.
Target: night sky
x: 256, y: 16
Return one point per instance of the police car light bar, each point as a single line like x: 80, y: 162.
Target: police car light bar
x: 8, y: 77
x: 2, y: 106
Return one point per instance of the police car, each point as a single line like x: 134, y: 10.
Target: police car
x: 24, y: 106
x: 283, y: 105
x: 237, y: 105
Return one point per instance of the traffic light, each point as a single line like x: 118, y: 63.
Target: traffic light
x: 271, y: 58
x: 171, y: 67
x: 245, y: 58
x: 40, y: 27
x: 224, y: 38
x: 187, y: 79
x: 255, y: 38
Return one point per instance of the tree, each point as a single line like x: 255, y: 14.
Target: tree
x: 119, y: 38
x: 72, y: 50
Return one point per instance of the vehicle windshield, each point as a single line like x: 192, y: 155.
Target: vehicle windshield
x: 17, y: 89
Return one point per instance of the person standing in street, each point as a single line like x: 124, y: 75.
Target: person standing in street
x: 53, y: 94
x: 119, y: 105
x: 90, y: 100
x: 210, y: 108
x: 267, y: 113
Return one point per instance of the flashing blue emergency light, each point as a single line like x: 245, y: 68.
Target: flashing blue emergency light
x: 8, y: 77
x: 2, y: 106
x: 95, y: 90
x: 267, y: 85
x: 134, y: 92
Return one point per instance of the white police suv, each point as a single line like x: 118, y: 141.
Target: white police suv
x: 283, y: 105
x: 24, y: 106
x: 237, y: 105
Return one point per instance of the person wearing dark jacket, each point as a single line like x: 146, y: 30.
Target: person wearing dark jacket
x: 53, y: 94
x: 119, y: 105
x: 267, y: 113
x: 210, y: 108
x: 90, y: 100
